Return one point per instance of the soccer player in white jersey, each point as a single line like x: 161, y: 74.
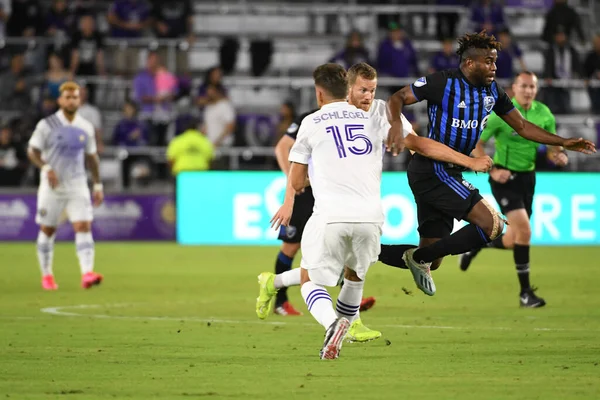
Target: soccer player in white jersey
x: 60, y: 147
x: 344, y: 147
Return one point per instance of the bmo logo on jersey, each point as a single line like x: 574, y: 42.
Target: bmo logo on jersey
x: 470, y: 124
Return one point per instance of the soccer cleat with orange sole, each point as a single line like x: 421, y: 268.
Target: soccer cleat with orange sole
x: 367, y: 303
x: 90, y: 279
x: 48, y: 283
x: 287, y: 309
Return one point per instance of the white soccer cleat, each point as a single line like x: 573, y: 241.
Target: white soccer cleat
x: 334, y: 338
x: 421, y: 273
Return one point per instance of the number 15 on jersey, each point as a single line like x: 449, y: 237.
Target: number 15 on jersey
x: 352, y: 134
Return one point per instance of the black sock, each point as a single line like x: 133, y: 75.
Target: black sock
x: 497, y: 243
x: 283, y: 264
x: 468, y: 238
x: 391, y: 254
x: 521, y: 256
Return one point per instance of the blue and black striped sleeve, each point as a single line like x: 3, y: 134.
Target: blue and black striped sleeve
x: 503, y: 105
x: 430, y: 87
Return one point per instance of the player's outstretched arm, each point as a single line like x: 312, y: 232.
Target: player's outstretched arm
x: 282, y: 153
x: 295, y: 185
x: 536, y: 134
x: 395, y: 140
x: 437, y: 151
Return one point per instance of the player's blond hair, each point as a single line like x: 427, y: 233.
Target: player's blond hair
x: 363, y: 70
x: 68, y: 87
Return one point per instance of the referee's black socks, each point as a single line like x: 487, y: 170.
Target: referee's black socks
x: 521, y: 256
x: 468, y: 238
x: 391, y: 254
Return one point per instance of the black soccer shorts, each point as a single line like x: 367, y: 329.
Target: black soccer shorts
x: 441, y: 196
x: 303, y: 208
x: 516, y: 193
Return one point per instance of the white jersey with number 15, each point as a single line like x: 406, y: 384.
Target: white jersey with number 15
x: 343, y: 148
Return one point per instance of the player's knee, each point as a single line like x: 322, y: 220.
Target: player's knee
x: 351, y: 275
x: 82, y: 227
x: 436, y: 264
x: 304, y: 276
x: 48, y: 230
x: 523, y: 234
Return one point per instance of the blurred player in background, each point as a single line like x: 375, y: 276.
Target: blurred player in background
x: 513, y: 179
x: 459, y: 103
x: 344, y: 147
x: 60, y: 147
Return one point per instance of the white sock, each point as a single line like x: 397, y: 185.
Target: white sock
x: 45, y: 252
x: 84, y: 243
x: 287, y: 279
x: 319, y: 303
x: 348, y: 302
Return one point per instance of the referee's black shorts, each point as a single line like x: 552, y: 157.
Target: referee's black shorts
x: 303, y: 208
x: 516, y: 193
x: 441, y: 197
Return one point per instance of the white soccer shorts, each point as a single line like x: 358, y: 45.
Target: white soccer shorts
x: 52, y: 202
x: 328, y: 247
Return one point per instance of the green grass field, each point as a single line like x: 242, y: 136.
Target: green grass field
x: 174, y: 322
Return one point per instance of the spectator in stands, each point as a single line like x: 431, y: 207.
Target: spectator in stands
x: 561, y: 62
x: 287, y: 115
x: 174, y: 19
x: 446, y: 58
x: 26, y: 18
x: 397, y: 56
x: 131, y: 132
x: 487, y: 15
x: 510, y: 52
x: 353, y: 53
x: 87, y: 52
x: 49, y: 106
x: 13, y: 159
x: 5, y: 10
x: 16, y: 85
x: 56, y: 75
x: 562, y: 18
x: 591, y: 70
x: 446, y: 22
x: 128, y: 19
x: 93, y: 115
x: 190, y: 151
x: 219, y: 117
x: 60, y: 21
x: 154, y: 107
x: 213, y: 76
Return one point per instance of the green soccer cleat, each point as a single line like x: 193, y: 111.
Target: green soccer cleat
x: 358, y: 332
x: 266, y: 296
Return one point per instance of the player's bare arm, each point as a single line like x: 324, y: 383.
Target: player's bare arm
x: 437, y: 151
x: 295, y: 184
x: 500, y: 175
x: 395, y: 104
x: 93, y: 163
x: 534, y: 133
x: 282, y: 153
x: 35, y: 156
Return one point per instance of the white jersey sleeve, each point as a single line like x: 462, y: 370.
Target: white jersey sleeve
x: 90, y: 145
x: 39, y: 136
x: 379, y: 109
x: 301, y: 150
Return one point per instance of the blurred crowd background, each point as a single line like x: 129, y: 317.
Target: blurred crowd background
x: 234, y: 74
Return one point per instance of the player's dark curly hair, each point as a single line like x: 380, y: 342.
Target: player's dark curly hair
x: 473, y: 41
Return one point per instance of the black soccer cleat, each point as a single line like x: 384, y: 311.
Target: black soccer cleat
x: 465, y: 259
x: 528, y: 299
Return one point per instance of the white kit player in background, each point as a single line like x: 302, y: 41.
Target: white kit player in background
x: 60, y: 147
x: 340, y: 147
